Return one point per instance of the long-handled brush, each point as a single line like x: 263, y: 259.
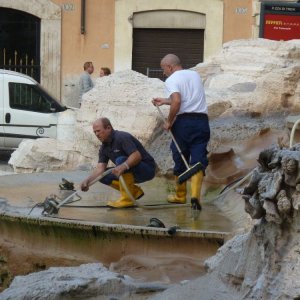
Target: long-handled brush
x: 190, y: 170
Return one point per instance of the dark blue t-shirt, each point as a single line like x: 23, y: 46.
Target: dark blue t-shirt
x: 122, y: 144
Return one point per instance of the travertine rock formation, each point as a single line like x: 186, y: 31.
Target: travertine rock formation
x: 49, y: 154
x: 262, y: 264
x: 248, y: 77
x: 254, y: 75
x: 124, y: 97
x: 44, y: 155
x: 89, y: 281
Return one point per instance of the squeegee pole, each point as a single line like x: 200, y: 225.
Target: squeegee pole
x: 173, y: 138
x: 179, y: 150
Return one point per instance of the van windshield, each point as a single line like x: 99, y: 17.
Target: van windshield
x: 32, y: 98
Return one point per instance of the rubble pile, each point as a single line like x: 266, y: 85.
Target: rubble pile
x: 273, y: 192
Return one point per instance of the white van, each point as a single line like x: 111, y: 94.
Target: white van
x: 27, y: 111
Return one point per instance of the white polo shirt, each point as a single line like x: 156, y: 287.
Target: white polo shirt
x: 189, y: 84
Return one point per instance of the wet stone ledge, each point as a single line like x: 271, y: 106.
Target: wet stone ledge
x: 100, y: 229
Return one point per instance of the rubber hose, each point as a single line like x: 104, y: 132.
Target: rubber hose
x: 235, y: 185
x: 224, y: 191
x: 293, y: 132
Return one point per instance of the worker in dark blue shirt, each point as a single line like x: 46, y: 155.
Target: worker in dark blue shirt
x: 132, y: 161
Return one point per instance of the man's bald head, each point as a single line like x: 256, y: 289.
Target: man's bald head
x: 171, y: 60
x: 170, y: 63
x: 105, y: 122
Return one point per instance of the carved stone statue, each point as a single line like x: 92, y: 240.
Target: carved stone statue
x: 283, y: 203
x: 273, y: 191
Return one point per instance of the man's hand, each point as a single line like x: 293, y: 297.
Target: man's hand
x: 167, y: 125
x: 119, y: 170
x: 84, y: 186
x: 161, y: 101
x: 157, y: 101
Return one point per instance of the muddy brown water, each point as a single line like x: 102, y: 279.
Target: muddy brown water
x: 146, y: 255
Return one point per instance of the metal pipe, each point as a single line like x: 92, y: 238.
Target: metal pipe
x: 82, y: 27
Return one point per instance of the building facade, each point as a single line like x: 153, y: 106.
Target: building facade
x: 61, y: 35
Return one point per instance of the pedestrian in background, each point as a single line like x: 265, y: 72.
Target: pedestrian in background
x: 104, y: 71
x: 85, y: 81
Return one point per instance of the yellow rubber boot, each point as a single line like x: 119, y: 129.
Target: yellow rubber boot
x: 124, y: 201
x: 115, y: 184
x: 137, y: 192
x: 180, y: 193
x: 196, y: 184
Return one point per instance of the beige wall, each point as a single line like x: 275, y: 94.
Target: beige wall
x: 91, y: 46
x: 96, y: 45
x: 124, y: 9
x: 237, y: 20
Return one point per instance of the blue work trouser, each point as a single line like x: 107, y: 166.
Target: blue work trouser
x: 192, y: 134
x: 142, y: 172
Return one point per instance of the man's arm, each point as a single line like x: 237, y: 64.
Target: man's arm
x: 100, y: 168
x: 133, y: 159
x: 174, y: 109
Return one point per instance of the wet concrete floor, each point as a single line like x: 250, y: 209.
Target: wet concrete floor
x: 26, y: 190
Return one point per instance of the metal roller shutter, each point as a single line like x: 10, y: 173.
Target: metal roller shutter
x: 151, y: 45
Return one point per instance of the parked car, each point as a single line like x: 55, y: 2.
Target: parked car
x: 27, y: 111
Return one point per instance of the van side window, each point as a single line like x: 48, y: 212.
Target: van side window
x: 28, y: 97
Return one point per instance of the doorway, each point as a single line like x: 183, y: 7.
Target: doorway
x: 151, y: 45
x: 20, y: 42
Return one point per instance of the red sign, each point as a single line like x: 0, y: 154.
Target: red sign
x: 281, y: 27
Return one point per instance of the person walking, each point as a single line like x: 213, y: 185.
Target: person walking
x: 132, y: 161
x: 188, y: 121
x: 85, y: 81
